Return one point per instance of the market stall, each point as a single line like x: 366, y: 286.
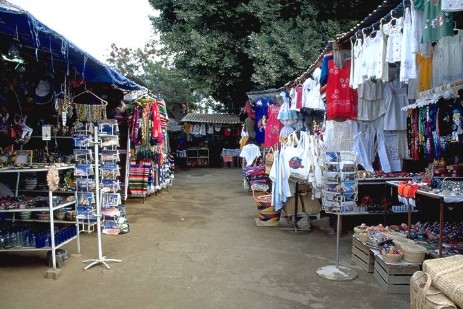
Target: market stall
x: 60, y: 116
x: 388, y: 90
x: 205, y: 138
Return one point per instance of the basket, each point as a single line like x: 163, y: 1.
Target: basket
x: 402, y: 241
x: 42, y: 215
x: 70, y: 215
x: 269, y: 218
x: 423, y: 295
x: 267, y: 215
x: 395, y: 235
x: 59, y: 214
x: 446, y: 274
x: 264, y: 203
x: 392, y: 258
x: 363, y: 237
x: 413, y: 253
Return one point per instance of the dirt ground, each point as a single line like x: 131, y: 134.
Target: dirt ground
x: 195, y: 245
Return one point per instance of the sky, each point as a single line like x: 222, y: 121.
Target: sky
x: 93, y: 25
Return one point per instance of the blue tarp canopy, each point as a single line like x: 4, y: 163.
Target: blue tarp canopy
x: 40, y: 43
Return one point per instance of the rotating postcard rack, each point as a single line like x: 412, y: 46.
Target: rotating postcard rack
x: 339, y: 195
x: 92, y: 192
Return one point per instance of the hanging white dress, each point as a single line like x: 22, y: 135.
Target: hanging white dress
x: 417, y: 32
x: 408, y: 60
x: 339, y: 135
x: 379, y: 55
x: 359, y: 63
x: 393, y: 30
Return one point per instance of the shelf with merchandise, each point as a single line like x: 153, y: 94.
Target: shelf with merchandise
x: 50, y: 202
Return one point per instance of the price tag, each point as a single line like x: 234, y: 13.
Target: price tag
x: 46, y: 132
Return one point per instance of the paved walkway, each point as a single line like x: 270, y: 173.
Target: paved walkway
x: 195, y: 245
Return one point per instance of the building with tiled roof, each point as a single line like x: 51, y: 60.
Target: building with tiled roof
x: 212, y: 118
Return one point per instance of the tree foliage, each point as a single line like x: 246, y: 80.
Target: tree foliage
x: 146, y: 68
x: 224, y: 48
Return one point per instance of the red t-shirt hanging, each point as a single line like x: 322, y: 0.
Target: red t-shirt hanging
x: 273, y: 126
x: 341, y: 100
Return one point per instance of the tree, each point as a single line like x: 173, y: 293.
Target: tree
x: 165, y: 82
x: 228, y: 47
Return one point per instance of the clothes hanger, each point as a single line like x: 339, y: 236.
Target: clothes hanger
x: 103, y: 102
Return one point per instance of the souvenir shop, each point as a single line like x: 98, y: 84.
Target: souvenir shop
x: 388, y: 148
x: 208, y: 140
x: 70, y: 141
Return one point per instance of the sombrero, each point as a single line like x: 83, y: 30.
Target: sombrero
x: 44, y: 91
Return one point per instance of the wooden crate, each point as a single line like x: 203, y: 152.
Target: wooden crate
x: 362, y: 255
x: 394, y: 278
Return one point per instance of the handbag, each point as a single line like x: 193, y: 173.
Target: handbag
x: 296, y: 157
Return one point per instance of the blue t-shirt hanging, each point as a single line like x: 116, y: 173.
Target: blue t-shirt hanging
x: 261, y: 106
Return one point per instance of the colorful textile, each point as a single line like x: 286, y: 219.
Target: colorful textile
x: 341, y: 100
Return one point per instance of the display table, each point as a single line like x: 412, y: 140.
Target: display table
x: 231, y: 156
x: 442, y: 199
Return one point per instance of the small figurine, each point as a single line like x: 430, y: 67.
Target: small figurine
x: 24, y: 130
x: 456, y: 126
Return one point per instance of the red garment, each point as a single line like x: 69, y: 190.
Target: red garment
x: 227, y: 132
x: 248, y: 109
x: 341, y: 100
x: 298, y: 90
x: 273, y: 126
x: 156, y: 129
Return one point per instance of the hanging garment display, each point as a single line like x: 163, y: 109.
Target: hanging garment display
x: 357, y: 63
x: 407, y: 57
x: 418, y: 46
x: 447, y: 60
x: 261, y: 106
x: 437, y: 23
x: 250, y: 153
x: 339, y: 135
x: 393, y: 29
x: 311, y: 97
x: 341, y: 100
x: 146, y: 123
x: 273, y: 126
x: 395, y: 97
x: 371, y: 103
x: 424, y: 73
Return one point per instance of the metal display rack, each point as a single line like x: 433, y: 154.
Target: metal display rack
x: 56, y: 239
x: 101, y: 259
x: 339, y: 193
